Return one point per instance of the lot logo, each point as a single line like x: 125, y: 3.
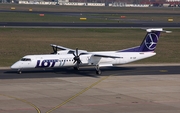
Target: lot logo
x: 151, y: 41
x: 46, y: 63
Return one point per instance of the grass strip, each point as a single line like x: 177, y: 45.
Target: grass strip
x: 18, y: 42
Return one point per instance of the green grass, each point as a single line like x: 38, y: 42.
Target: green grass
x: 18, y: 42
x: 101, y: 18
x: 173, y: 13
x: 33, y: 17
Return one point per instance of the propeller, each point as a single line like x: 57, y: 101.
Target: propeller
x: 77, y: 57
x: 54, y: 50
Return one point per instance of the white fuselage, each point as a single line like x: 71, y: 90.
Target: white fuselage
x: 60, y: 60
x: 76, y: 58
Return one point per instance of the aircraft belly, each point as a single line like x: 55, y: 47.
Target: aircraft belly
x: 137, y: 56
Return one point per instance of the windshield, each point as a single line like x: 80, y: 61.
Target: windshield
x: 25, y: 59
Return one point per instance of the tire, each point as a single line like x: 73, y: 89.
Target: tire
x: 19, y: 72
x: 98, y: 72
x: 76, y: 68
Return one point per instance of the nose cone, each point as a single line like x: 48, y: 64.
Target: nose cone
x: 15, y: 66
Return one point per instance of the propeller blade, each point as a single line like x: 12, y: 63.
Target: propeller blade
x: 74, y: 61
x: 77, y: 65
x: 74, y: 54
x: 53, y: 48
x: 76, y: 51
x: 77, y: 57
x: 56, y: 49
x: 79, y: 61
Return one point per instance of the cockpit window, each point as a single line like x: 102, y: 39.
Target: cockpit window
x: 25, y: 59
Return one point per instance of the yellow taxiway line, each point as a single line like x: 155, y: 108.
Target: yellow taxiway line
x: 72, y: 97
x: 89, y: 87
x: 76, y: 95
x: 24, y: 101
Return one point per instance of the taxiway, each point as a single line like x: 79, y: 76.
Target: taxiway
x: 127, y: 89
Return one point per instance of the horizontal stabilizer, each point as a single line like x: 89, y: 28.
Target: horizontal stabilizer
x: 157, y: 29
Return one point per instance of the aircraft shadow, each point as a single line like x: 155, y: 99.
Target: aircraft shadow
x: 90, y: 72
x: 62, y: 72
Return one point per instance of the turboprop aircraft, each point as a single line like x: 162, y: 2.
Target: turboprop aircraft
x: 76, y: 58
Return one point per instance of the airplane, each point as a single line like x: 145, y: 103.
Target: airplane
x: 62, y: 56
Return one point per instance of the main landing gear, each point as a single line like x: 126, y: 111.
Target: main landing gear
x: 76, y: 67
x: 98, y: 71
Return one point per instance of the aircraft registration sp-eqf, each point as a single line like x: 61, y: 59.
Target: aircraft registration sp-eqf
x: 76, y: 58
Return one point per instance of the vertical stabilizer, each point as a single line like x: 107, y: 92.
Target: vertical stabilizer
x: 151, y: 39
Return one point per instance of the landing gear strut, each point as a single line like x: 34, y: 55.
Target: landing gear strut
x: 19, y: 71
x: 98, y: 71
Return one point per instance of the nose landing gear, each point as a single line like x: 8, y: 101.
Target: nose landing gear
x: 19, y: 71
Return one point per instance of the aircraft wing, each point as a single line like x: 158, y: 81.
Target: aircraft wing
x: 60, y: 47
x: 82, y: 52
x: 69, y: 49
x: 105, y: 56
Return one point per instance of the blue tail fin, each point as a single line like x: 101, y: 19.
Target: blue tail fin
x: 149, y: 43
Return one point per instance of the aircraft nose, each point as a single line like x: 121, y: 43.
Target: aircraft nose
x: 15, y: 66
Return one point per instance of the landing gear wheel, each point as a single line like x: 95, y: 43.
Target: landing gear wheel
x: 19, y: 72
x: 98, y: 72
x: 76, y: 68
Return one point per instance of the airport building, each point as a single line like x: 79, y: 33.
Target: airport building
x: 113, y: 3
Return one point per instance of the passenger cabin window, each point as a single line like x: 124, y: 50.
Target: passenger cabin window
x: 25, y: 59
